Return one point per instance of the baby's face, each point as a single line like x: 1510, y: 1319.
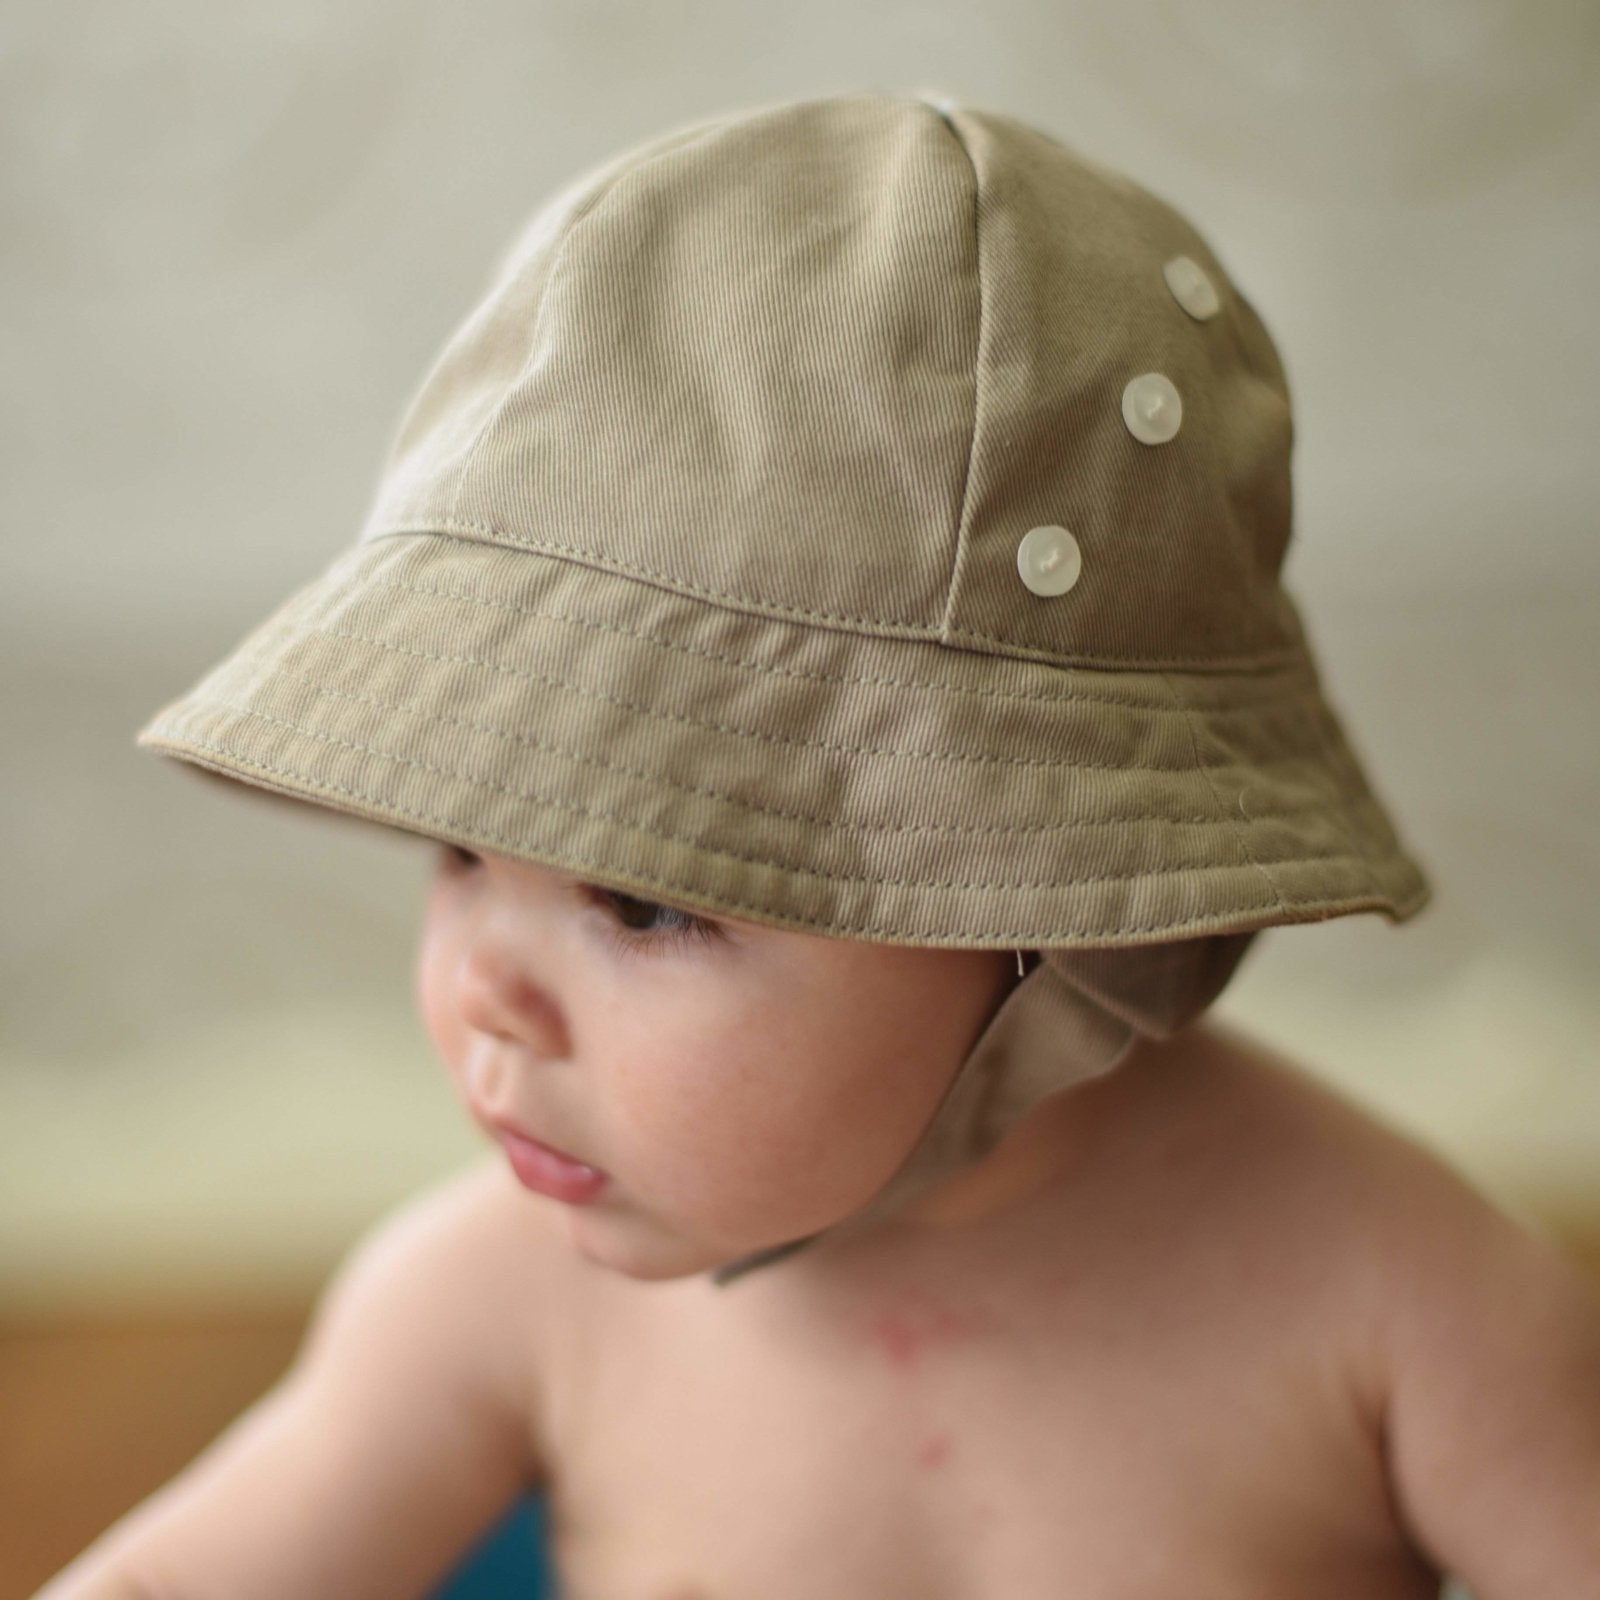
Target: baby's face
x: 736, y: 1085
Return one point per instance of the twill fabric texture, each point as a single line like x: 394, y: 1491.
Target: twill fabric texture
x: 694, y: 564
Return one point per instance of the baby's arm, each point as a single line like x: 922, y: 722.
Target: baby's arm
x: 1492, y: 1345
x: 403, y: 1429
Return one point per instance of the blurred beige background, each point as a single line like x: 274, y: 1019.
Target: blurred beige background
x: 231, y: 240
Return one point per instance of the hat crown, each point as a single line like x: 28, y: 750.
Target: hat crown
x: 834, y: 360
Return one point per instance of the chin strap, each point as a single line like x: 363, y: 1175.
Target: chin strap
x: 1074, y: 1016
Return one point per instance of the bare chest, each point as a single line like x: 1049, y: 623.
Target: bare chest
x: 926, y: 1447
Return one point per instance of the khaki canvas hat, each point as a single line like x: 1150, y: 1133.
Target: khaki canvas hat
x: 861, y: 515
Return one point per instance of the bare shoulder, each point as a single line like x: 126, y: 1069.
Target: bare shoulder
x: 1274, y: 1156
x: 1482, y: 1341
x: 1277, y: 1119
x: 410, y: 1418
x: 1469, y: 1345
x: 1260, y: 1125
x: 472, y: 1231
x: 1404, y: 1203
x: 467, y: 1277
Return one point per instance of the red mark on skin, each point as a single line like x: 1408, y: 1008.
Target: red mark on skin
x: 897, y: 1339
x: 914, y: 1323
x: 935, y: 1451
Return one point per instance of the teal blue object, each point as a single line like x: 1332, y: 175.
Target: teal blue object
x: 509, y: 1563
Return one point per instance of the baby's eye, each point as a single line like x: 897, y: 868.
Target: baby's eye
x: 644, y: 916
x: 457, y: 858
x: 642, y: 921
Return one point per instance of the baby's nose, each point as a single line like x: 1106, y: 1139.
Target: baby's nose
x: 496, y: 995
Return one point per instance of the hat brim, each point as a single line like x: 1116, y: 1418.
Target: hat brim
x: 779, y: 770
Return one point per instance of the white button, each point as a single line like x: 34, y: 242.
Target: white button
x: 1049, y: 560
x: 1191, y: 288
x: 1152, y: 408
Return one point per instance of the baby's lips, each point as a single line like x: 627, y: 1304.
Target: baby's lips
x: 548, y: 1171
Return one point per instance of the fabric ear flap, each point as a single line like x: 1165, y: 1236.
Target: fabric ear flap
x: 1157, y: 988
x: 1072, y: 1018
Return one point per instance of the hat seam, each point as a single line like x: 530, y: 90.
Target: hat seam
x: 962, y: 542
x: 1300, y: 686
x: 1265, y: 659
x: 317, y: 784
x: 697, y: 843
x: 557, y: 252
x: 460, y: 527
x: 757, y: 735
x: 743, y: 604
x: 545, y: 747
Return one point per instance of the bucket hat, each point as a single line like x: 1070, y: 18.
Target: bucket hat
x: 862, y: 515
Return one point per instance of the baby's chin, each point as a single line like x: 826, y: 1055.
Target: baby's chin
x: 651, y: 1254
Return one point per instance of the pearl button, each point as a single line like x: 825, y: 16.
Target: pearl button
x: 1049, y: 560
x: 1191, y: 288
x: 1152, y: 408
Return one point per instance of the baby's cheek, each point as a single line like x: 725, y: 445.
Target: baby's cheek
x: 439, y: 1018
x: 757, y: 1139
x: 677, y: 1124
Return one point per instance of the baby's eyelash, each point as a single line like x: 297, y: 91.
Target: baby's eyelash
x: 669, y: 924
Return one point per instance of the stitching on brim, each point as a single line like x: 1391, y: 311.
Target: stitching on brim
x: 1341, y: 760
x: 315, y: 785
x: 756, y: 735
x: 577, y: 758
x: 611, y: 819
x: 1302, y: 690
x: 1223, y: 813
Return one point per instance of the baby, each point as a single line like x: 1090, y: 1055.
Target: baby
x: 824, y: 604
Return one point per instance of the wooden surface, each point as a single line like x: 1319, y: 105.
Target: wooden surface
x: 92, y: 1419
